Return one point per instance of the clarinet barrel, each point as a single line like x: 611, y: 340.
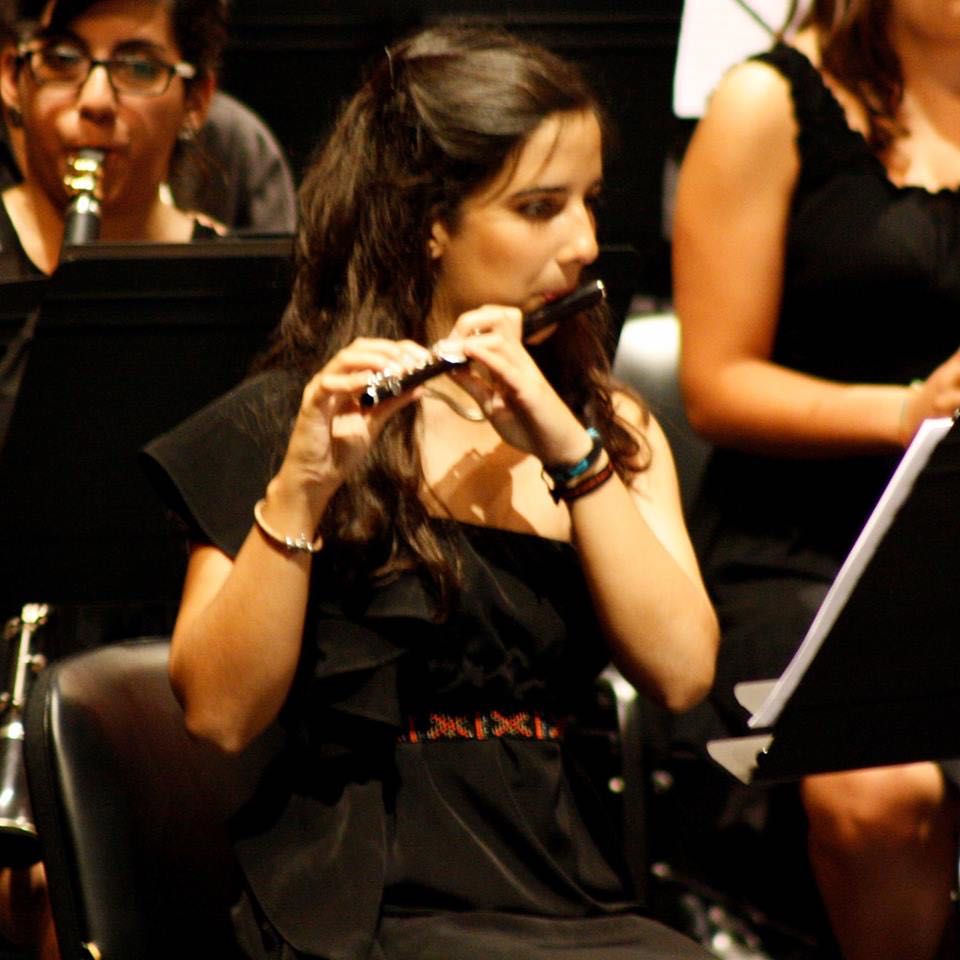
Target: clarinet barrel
x: 83, y: 183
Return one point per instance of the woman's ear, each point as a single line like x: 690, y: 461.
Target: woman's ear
x: 439, y: 237
x: 198, y: 101
x: 9, y: 88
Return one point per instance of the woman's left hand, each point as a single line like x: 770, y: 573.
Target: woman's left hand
x: 510, y: 388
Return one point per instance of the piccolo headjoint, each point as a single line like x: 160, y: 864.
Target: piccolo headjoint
x: 388, y: 383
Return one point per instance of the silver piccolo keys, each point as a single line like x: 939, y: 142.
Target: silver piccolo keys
x: 386, y: 384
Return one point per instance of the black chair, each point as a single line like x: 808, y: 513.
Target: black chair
x: 131, y: 810
x: 647, y: 359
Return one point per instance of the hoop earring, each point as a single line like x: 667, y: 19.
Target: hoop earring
x: 187, y: 134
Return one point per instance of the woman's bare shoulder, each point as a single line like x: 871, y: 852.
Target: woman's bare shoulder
x: 745, y: 142
x: 753, y: 99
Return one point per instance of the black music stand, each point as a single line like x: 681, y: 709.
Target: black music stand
x: 21, y: 295
x: 131, y: 338
x: 877, y: 679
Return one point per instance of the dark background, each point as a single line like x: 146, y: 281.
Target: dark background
x: 295, y: 61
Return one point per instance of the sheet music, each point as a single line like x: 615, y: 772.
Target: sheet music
x: 751, y: 694
x: 716, y: 34
x: 738, y: 755
x: 918, y: 453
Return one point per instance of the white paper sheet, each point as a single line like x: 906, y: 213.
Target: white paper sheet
x: 714, y: 35
x: 901, y: 483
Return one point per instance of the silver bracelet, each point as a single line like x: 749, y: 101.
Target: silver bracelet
x: 298, y: 544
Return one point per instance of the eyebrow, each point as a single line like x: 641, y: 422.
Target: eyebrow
x: 536, y: 191
x: 141, y: 46
x: 49, y: 35
x: 46, y: 35
x: 550, y: 189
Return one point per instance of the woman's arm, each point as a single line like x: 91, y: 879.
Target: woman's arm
x: 236, y: 644
x: 733, y: 203
x: 644, y: 578
x: 237, y: 639
x: 633, y: 545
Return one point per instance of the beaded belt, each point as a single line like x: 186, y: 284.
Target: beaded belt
x: 522, y: 725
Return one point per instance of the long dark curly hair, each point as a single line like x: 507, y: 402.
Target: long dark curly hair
x: 438, y: 118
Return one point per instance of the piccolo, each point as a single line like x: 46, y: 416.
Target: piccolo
x: 444, y: 356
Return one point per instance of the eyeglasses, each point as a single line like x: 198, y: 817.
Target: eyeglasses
x: 65, y: 65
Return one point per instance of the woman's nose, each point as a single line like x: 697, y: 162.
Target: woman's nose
x: 582, y: 245
x: 96, y: 97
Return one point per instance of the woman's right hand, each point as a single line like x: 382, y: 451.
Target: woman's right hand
x: 937, y: 396
x: 333, y: 432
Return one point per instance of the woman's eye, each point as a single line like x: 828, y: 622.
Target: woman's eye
x: 539, y: 209
x: 139, y: 68
x: 61, y: 58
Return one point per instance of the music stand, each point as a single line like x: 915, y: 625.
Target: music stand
x: 131, y: 339
x: 875, y: 681
x: 22, y: 293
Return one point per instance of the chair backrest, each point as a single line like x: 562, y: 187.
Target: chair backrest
x: 647, y: 359
x: 131, y: 810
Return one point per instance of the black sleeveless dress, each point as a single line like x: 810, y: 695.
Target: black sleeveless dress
x: 871, y: 294
x: 427, y: 803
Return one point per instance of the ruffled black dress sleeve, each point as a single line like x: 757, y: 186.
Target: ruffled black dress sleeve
x: 211, y: 469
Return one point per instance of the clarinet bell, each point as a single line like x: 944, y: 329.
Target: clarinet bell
x: 19, y: 844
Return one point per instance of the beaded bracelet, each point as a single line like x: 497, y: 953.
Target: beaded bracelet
x: 298, y: 544
x: 581, y: 489
x: 564, y: 474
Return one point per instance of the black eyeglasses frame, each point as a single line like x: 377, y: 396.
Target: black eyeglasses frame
x: 184, y: 70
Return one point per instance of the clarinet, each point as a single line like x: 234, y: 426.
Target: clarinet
x: 19, y: 844
x: 84, y: 185
x: 382, y: 386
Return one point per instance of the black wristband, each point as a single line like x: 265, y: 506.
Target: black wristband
x: 581, y: 489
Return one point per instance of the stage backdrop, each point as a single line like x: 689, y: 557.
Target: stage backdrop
x: 295, y: 60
